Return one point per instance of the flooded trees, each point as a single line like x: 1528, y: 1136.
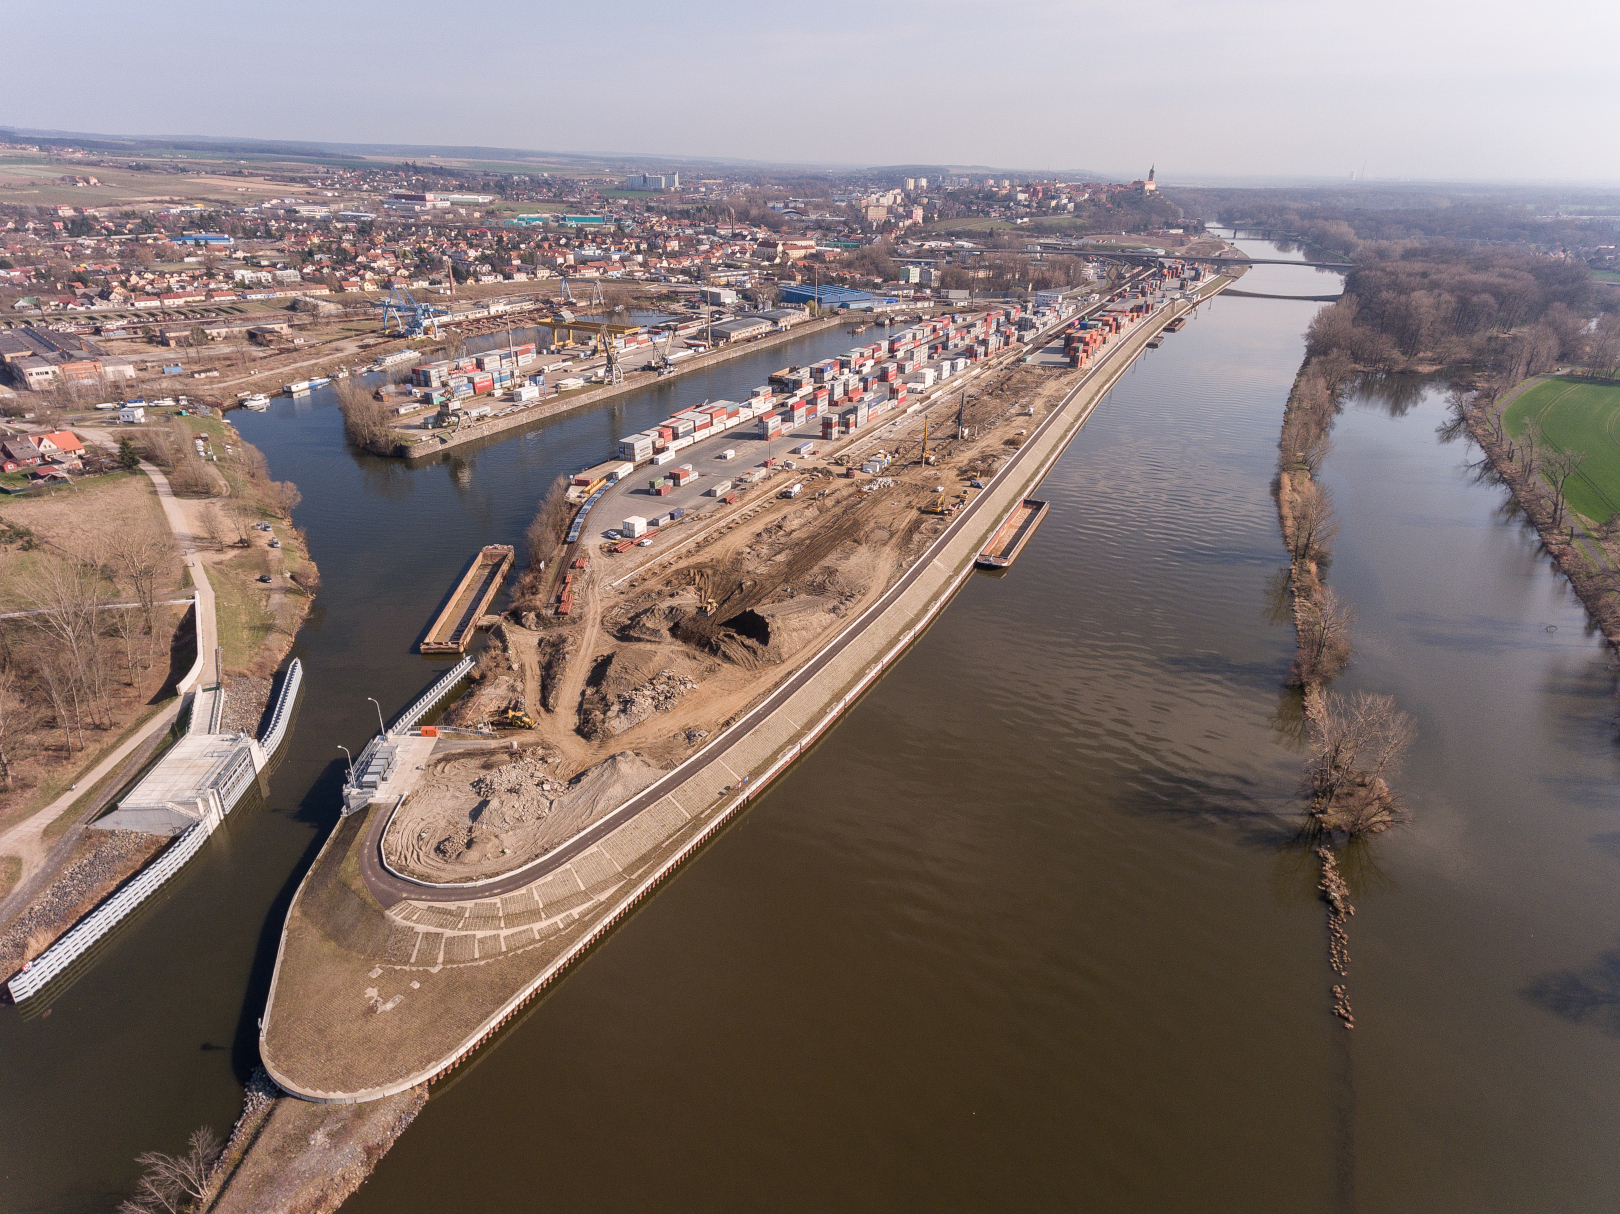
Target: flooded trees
x: 1356, y: 742
x: 365, y: 420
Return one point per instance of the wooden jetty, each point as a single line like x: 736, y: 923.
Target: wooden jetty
x: 453, y: 629
x: 1012, y: 535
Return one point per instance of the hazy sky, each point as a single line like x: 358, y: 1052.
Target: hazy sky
x: 1408, y: 88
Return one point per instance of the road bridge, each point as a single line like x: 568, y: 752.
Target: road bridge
x: 1135, y: 255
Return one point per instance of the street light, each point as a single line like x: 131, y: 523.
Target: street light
x: 380, y: 724
x: 345, y: 750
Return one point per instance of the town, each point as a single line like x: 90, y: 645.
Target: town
x: 675, y: 614
x: 315, y: 276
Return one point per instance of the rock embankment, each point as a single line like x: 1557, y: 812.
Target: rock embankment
x: 247, y: 697
x: 99, y: 863
x: 289, y: 1156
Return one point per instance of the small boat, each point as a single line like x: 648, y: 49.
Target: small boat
x: 294, y: 389
x: 320, y: 381
x: 1012, y: 535
x: 257, y: 401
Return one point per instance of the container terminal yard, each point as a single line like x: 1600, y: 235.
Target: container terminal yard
x: 653, y: 689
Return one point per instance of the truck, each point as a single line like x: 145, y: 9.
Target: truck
x: 792, y: 490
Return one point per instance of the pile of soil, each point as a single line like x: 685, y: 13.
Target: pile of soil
x: 472, y: 818
x: 629, y: 686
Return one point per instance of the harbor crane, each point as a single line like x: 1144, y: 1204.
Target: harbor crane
x: 412, y: 319
x: 613, y: 371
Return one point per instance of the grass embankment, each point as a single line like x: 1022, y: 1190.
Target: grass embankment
x: 1586, y: 554
x: 1580, y: 415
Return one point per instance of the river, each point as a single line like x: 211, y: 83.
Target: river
x: 1029, y: 927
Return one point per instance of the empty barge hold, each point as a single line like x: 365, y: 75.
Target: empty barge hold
x: 1012, y: 535
x: 454, y: 628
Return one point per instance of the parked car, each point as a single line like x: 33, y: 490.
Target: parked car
x: 265, y: 577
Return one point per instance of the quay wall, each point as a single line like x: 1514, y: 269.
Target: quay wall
x: 633, y: 381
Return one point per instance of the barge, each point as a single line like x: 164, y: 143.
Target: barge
x: 453, y: 630
x: 1012, y: 535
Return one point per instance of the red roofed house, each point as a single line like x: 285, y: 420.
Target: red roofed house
x: 62, y: 447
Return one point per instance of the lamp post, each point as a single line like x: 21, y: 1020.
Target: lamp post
x: 383, y: 728
x: 345, y: 750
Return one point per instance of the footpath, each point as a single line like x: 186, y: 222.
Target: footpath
x: 27, y: 840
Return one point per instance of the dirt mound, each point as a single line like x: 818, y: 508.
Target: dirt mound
x: 553, y: 652
x: 653, y: 623
x: 468, y: 821
x: 628, y: 687
x: 495, y: 684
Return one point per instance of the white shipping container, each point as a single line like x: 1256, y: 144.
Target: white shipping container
x: 664, y: 457
x: 718, y: 489
x: 635, y: 526
x: 728, y: 453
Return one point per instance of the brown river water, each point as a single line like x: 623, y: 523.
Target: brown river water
x: 1031, y: 927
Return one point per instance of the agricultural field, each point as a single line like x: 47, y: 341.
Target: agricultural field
x: 1578, y: 415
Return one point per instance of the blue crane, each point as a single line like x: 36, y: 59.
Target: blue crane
x: 412, y: 318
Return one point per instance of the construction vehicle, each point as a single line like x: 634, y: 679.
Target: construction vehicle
x: 515, y: 716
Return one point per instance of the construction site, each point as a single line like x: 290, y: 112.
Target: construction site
x: 634, y: 695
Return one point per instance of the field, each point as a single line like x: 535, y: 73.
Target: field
x: 1578, y: 415
x: 58, y: 514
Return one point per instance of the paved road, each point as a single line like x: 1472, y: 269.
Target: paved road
x: 390, y: 889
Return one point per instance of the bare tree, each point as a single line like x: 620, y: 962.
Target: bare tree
x: 1314, y: 522
x: 1528, y: 444
x: 140, y: 553
x: 281, y: 497
x: 1561, y: 465
x: 1603, y: 349
x: 171, y: 1183
x: 1324, y: 637
x: 213, y: 525
x: 1357, y: 741
x: 16, y: 715
x: 242, y: 517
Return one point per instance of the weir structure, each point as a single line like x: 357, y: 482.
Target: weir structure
x: 383, y: 983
